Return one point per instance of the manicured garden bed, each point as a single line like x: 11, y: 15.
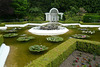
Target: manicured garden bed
x: 83, y: 60
x: 20, y: 50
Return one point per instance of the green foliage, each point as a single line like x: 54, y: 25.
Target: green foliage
x: 55, y: 39
x: 2, y: 24
x: 1, y: 40
x: 91, y: 18
x: 20, y: 7
x: 10, y: 31
x: 88, y: 32
x: 69, y: 21
x: 10, y: 35
x: 26, y: 38
x: 37, y: 48
x: 72, y: 26
x: 80, y: 36
x: 56, y: 56
x: 88, y: 46
x: 15, y: 22
x: 35, y: 14
x: 37, y: 21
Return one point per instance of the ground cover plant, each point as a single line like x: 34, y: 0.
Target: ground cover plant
x: 10, y: 35
x: 80, y: 36
x: 10, y: 31
x: 38, y: 48
x: 55, y: 39
x: 20, y: 49
x: 25, y: 38
x: 88, y: 32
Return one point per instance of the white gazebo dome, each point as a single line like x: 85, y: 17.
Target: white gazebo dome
x: 53, y: 15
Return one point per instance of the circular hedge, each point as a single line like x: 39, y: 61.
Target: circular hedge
x: 80, y: 36
x: 88, y: 32
x: 38, y: 48
x: 26, y: 38
x: 10, y: 35
x: 54, y: 39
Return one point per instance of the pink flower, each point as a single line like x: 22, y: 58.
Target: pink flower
x: 41, y: 48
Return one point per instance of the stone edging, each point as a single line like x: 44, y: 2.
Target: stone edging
x: 23, y: 25
x: 4, y: 51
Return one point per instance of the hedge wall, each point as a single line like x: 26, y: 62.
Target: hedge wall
x: 37, y: 21
x: 88, y: 46
x: 1, y: 40
x: 69, y: 21
x: 56, y: 56
x: 91, y: 18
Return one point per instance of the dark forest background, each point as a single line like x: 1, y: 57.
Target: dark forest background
x: 35, y: 9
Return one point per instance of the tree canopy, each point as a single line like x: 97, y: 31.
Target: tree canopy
x: 23, y: 8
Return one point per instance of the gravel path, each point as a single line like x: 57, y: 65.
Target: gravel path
x: 81, y: 61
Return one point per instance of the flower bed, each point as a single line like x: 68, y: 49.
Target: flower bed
x: 37, y: 48
x: 26, y: 38
x: 83, y: 29
x: 55, y: 39
x: 88, y: 32
x: 10, y: 31
x: 80, y: 36
x: 10, y: 35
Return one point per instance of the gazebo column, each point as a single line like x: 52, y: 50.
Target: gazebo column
x: 46, y: 17
x: 61, y: 16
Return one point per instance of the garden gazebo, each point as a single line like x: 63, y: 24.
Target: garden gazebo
x: 53, y: 15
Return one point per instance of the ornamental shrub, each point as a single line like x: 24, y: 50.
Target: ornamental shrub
x: 88, y: 32
x: 10, y: 31
x: 26, y: 38
x: 55, y: 39
x: 80, y: 36
x: 91, y: 18
x: 37, y: 48
x: 10, y: 35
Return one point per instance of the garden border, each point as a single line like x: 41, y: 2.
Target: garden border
x: 23, y: 25
x: 4, y: 51
x: 56, y: 56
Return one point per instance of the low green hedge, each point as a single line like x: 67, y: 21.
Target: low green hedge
x: 1, y: 40
x: 15, y: 22
x: 2, y: 24
x: 90, y: 23
x: 69, y: 21
x: 56, y: 56
x: 88, y: 46
x: 37, y: 21
x: 91, y: 18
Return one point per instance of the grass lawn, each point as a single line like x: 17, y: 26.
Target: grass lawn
x: 20, y: 55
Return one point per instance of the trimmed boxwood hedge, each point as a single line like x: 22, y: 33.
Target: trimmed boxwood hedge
x: 91, y: 18
x: 56, y: 56
x: 1, y: 40
x: 88, y: 46
x: 69, y: 21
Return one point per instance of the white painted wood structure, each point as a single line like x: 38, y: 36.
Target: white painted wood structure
x: 53, y: 15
